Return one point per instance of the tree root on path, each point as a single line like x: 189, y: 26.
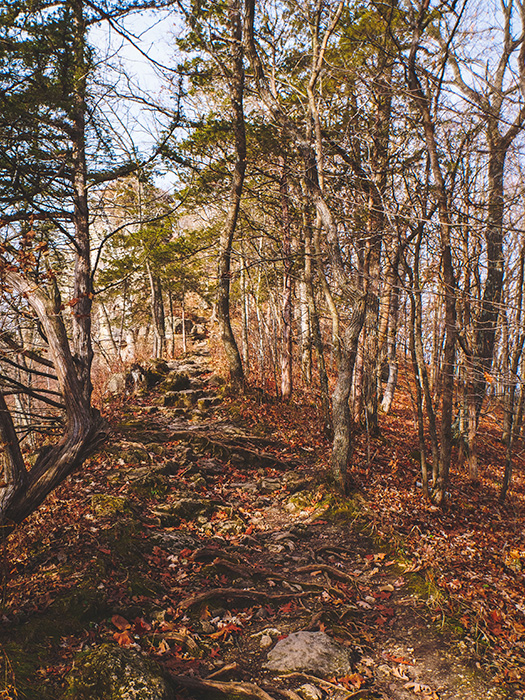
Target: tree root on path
x: 330, y: 570
x: 209, y: 689
x: 236, y: 594
x: 328, y: 687
x: 257, y: 572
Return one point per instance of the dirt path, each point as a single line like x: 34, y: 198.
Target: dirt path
x: 205, y: 547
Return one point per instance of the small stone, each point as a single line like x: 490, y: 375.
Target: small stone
x: 309, y: 692
x: 265, y: 641
x: 198, y: 482
x: 176, y: 381
x: 207, y: 627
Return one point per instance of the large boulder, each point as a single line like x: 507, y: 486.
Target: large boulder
x: 112, y: 673
x: 313, y: 652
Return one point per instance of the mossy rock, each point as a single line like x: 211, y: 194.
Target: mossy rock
x: 153, y: 378
x: 184, y: 509
x: 104, y: 505
x: 130, y: 424
x: 130, y: 452
x: 160, y: 366
x: 112, y: 673
x: 207, y: 402
x: 301, y: 500
x: 172, y: 399
x: 215, y: 381
x: 135, y: 455
x: 176, y: 381
x: 148, y: 482
x: 157, y: 449
x: 33, y: 644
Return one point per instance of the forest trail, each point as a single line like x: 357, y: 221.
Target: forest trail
x: 200, y: 544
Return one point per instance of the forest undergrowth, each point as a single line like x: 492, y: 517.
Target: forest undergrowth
x: 195, y: 533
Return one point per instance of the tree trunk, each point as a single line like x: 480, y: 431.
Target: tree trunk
x: 306, y: 333
x: 315, y: 326
x: 226, y: 241
x: 342, y: 444
x: 391, y: 319
x: 287, y: 314
x: 24, y: 491
x: 422, y: 102
x: 157, y: 314
x: 82, y: 282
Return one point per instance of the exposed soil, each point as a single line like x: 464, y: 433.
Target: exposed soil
x: 201, y: 543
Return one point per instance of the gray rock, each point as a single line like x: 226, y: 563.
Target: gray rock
x: 182, y: 509
x: 313, y: 652
x: 120, y: 674
x: 117, y: 384
x: 265, y: 641
x: 270, y: 485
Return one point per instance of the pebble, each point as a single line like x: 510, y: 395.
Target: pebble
x: 265, y: 641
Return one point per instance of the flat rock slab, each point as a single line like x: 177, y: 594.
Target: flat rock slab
x: 313, y: 652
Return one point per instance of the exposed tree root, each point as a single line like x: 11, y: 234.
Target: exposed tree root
x: 211, y: 689
x: 329, y: 687
x: 236, y: 594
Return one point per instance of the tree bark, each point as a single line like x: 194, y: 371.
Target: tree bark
x: 84, y: 430
x: 342, y: 443
x: 286, y: 355
x: 422, y: 103
x: 226, y: 241
x: 157, y: 314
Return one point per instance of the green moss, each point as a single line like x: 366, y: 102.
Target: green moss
x: 424, y: 587
x: 340, y: 508
x: 122, y: 539
x: 105, y: 505
x: 34, y: 643
x: 176, y: 381
x: 112, y: 673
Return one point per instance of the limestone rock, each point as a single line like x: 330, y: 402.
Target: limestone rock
x: 112, y: 673
x: 171, y: 514
x: 117, y: 384
x: 313, y: 652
